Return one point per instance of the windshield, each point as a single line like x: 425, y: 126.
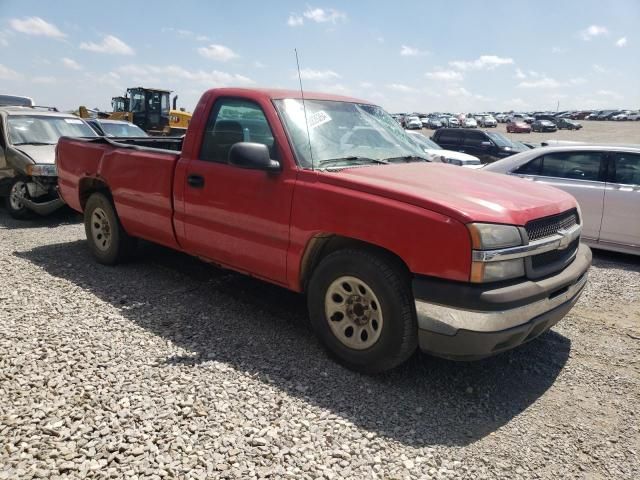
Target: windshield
x: 45, y: 130
x: 122, y: 130
x: 500, y: 140
x: 343, y: 133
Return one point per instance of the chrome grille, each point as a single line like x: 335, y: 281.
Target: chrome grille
x: 549, y: 226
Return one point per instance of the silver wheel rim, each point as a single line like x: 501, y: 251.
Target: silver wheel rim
x: 353, y: 312
x: 100, y: 229
x: 17, y: 194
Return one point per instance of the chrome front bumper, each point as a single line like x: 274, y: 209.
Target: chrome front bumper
x: 477, y: 321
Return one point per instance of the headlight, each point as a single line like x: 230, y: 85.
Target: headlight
x: 39, y: 170
x: 489, y: 236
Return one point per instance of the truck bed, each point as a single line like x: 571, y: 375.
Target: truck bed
x: 139, y: 173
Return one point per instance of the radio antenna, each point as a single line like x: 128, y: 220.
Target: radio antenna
x: 304, y: 108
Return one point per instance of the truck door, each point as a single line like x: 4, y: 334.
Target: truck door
x: 234, y: 216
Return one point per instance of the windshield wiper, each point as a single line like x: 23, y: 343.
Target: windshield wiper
x: 407, y: 158
x: 353, y: 158
x: 34, y: 143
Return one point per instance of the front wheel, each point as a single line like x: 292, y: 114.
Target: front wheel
x: 15, y: 204
x: 362, y: 309
x: 108, y: 241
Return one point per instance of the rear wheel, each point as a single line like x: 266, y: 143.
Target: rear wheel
x: 108, y: 241
x: 362, y: 309
x: 17, y: 193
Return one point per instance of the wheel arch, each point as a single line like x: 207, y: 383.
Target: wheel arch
x: 321, y: 245
x: 89, y: 185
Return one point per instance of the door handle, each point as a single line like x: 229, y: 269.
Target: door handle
x: 195, y: 181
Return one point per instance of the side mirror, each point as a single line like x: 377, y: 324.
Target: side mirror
x: 254, y: 156
x: 485, y: 144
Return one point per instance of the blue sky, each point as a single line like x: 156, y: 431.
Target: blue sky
x: 406, y: 56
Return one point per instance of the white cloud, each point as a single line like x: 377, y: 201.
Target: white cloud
x: 295, y: 20
x: 321, y: 15
x: 609, y: 93
x: 399, y: 87
x: 310, y: 74
x: 366, y: 85
x: 445, y: 75
x: 621, y: 42
x: 558, y: 50
x: 72, y: 64
x: 484, y: 62
x: 518, y: 103
x: 520, y: 74
x: 458, y: 92
x: 407, y: 51
x: 259, y: 64
x: 184, y: 33
x: 3, y: 39
x: 110, y: 45
x: 336, y: 88
x: 593, y: 31
x: 600, y: 68
x: 380, y: 39
x: 217, y: 52
x: 577, y: 81
x: 544, y: 82
x: 36, y: 26
x: 214, y: 78
x: 7, y: 74
x: 46, y: 80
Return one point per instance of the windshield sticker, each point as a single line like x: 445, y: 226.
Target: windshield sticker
x: 73, y: 120
x: 318, y: 119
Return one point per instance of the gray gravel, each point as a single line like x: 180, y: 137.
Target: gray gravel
x: 170, y: 368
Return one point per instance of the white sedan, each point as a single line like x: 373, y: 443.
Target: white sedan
x: 605, y: 180
x: 436, y: 153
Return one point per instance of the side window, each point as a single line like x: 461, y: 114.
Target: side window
x: 474, y: 139
x: 531, y: 168
x: 449, y: 137
x: 232, y: 121
x: 626, y: 168
x: 572, y: 165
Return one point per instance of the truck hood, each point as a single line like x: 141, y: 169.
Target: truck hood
x: 38, y: 153
x: 464, y: 194
x: 450, y: 154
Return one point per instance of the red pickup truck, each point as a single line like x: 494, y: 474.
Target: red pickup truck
x: 328, y: 196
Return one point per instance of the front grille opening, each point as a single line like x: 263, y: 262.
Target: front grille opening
x: 555, y: 256
x: 549, y: 226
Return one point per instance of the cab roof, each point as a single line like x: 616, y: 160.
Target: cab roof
x: 278, y: 94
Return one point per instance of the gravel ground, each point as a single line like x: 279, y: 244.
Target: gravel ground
x: 170, y: 368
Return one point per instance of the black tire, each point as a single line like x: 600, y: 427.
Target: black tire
x: 15, y: 208
x: 390, y: 284
x: 117, y: 245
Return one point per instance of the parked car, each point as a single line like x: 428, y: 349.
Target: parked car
x: 518, y: 126
x: 622, y: 116
x: 487, y: 146
x: 412, y: 123
x: 451, y: 122
x: 116, y: 128
x: 16, y: 101
x: 444, y: 267
x: 486, y: 121
x: 635, y: 116
x: 436, y: 153
x: 544, y: 126
x: 604, y: 179
x: 425, y: 121
x: 502, y: 117
x: 434, y: 123
x: 565, y: 123
x: 469, y: 122
x: 28, y: 138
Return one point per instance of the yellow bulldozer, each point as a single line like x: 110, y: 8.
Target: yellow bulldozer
x: 149, y: 109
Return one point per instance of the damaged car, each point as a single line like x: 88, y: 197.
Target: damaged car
x: 28, y: 138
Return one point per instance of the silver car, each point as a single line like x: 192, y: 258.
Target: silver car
x: 604, y: 179
x: 28, y: 138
